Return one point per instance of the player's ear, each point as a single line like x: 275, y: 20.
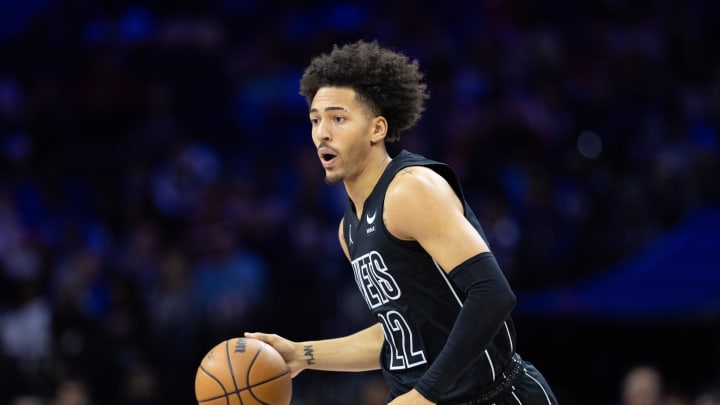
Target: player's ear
x: 379, y: 129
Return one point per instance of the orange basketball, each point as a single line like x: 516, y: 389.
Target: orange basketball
x: 243, y: 371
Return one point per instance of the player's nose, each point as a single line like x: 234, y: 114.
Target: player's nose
x: 322, y: 132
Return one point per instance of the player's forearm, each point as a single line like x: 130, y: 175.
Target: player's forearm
x: 357, y: 352
x: 488, y: 303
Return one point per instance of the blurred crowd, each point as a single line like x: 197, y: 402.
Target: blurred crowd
x: 644, y: 384
x: 159, y: 191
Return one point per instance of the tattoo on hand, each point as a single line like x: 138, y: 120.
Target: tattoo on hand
x: 310, y: 354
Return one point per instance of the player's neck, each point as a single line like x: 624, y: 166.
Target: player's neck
x: 359, y: 188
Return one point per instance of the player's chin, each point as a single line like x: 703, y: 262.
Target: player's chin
x: 332, y: 179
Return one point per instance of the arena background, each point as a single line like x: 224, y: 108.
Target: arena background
x: 159, y: 191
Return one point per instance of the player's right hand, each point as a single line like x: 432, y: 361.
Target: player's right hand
x: 287, y: 349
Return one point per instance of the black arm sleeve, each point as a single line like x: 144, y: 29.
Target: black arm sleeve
x: 488, y: 303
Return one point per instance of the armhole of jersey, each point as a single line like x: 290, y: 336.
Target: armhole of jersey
x: 347, y: 225
x: 341, y: 228
x: 447, y: 173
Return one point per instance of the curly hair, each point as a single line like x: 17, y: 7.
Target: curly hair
x: 385, y: 82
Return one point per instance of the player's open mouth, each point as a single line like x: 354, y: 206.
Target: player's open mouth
x: 327, y: 156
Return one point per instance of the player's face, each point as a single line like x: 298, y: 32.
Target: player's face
x: 341, y: 131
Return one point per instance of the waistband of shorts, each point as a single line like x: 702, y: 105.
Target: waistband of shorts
x: 499, y: 386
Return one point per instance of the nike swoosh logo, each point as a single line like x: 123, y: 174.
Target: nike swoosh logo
x: 371, y: 219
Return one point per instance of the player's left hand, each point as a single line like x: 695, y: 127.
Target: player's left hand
x: 411, y: 397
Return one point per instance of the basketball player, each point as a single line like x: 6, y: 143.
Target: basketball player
x: 420, y: 258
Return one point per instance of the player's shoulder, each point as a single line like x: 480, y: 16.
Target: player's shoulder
x: 416, y: 198
x: 413, y: 180
x: 415, y: 190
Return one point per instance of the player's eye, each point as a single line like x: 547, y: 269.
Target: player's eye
x: 314, y: 121
x: 339, y: 119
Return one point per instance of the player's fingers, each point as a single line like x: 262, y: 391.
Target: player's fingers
x: 280, y: 344
x: 269, y: 338
x: 258, y: 335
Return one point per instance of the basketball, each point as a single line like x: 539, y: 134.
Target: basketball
x: 243, y: 371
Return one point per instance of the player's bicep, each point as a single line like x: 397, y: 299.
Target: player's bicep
x: 422, y: 206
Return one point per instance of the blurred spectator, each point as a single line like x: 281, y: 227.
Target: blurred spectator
x: 675, y: 398
x: 29, y: 400
x: 176, y: 331
x: 709, y: 397
x: 140, y: 387
x: 25, y: 328
x: 230, y: 280
x: 72, y: 392
x: 642, y: 385
x: 373, y: 391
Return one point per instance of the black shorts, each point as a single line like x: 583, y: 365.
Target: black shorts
x: 527, y: 387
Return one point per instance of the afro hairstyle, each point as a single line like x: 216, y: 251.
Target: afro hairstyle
x: 385, y: 82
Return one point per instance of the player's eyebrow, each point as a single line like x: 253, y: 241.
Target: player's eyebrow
x: 314, y: 110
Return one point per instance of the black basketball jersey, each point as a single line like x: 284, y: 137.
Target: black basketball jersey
x: 414, y: 300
